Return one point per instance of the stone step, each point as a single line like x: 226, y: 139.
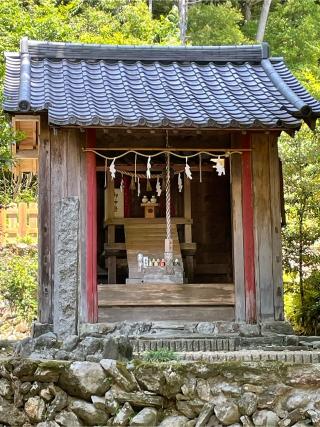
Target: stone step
x: 296, y: 357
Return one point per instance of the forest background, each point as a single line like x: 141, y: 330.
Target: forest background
x: 293, y: 31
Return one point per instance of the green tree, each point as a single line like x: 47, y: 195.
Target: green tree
x: 215, y: 24
x: 301, y: 167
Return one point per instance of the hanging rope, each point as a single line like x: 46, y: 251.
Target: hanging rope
x: 168, y: 242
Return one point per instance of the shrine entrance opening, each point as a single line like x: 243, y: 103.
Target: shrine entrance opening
x: 133, y: 209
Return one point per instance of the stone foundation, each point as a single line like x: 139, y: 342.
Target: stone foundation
x: 175, y: 394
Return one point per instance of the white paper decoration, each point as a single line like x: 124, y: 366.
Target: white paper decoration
x: 180, y: 185
x: 149, y: 168
x: 158, y: 187
x: 188, y: 170
x: 219, y: 165
x: 112, y: 169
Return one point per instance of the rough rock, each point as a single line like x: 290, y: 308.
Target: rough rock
x: 120, y: 374
x: 247, y: 330
x: 117, y: 348
x: 46, y: 394
x: 123, y: 416
x: 190, y: 408
x: 138, y: 398
x: 59, y: 402
x: 84, y: 379
x: 246, y: 421
x: 314, y: 414
x: 25, y: 387
x: 298, y: 399
x: 189, y: 387
x: 48, y: 340
x: 146, y: 417
x: 276, y: 327
x: 111, y: 405
x: 62, y: 355
x: 5, y: 388
x: 70, y: 343
x: 48, y: 424
x: 10, y: 415
x: 174, y: 421
x: 265, y: 418
x: 172, y: 384
x: 293, y: 417
x: 90, y: 345
x: 150, y: 378
x: 99, y: 402
x: 247, y: 403
x: 67, y: 419
x: 25, y: 370
x: 205, y: 415
x: 35, y: 409
x: 88, y: 413
x: 66, y: 267
x: 203, y: 390
x: 227, y: 412
x: 47, y: 375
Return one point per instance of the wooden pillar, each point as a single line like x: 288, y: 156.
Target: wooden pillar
x: 45, y: 291
x: 237, y: 235
x: 91, y: 267
x: 188, y: 227
x: 248, y: 235
x: 112, y: 260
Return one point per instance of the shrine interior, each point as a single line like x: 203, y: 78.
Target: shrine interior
x: 200, y: 207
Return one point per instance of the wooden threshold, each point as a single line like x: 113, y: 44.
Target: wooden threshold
x: 143, y: 221
x: 182, y: 313
x: 166, y: 295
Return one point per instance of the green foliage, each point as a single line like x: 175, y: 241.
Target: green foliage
x: 293, y: 31
x: 18, y: 281
x: 163, y: 355
x: 215, y: 24
x: 305, y: 318
x: 23, y: 188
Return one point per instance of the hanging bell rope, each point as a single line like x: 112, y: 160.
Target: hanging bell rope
x: 168, y: 250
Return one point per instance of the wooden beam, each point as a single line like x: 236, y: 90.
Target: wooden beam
x: 92, y: 303
x: 171, y: 149
x: 45, y: 291
x: 248, y: 238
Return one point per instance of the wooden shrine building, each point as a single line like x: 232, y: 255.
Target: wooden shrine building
x: 160, y: 189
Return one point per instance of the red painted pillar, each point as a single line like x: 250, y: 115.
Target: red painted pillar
x: 92, y: 298
x: 248, y: 237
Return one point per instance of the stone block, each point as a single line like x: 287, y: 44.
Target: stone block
x: 66, y: 267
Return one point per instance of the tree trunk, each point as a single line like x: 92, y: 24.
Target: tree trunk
x: 263, y: 20
x: 183, y: 20
x: 301, y: 287
x: 150, y: 7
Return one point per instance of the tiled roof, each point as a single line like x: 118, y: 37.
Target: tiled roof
x: 216, y: 87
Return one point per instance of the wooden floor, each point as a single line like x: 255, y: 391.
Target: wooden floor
x: 188, y: 302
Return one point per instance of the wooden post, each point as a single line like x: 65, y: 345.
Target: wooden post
x: 237, y: 227
x: 92, y: 300
x: 45, y: 291
x: 248, y: 237
x: 2, y: 225
x: 188, y: 227
x: 22, y: 219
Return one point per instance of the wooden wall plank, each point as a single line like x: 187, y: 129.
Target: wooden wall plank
x: 166, y: 294
x: 237, y: 227
x: 183, y: 313
x: 275, y: 199
x: 263, y: 236
x: 45, y: 290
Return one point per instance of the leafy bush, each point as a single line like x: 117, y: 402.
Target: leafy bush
x: 163, y: 355
x: 305, y: 318
x: 18, y: 280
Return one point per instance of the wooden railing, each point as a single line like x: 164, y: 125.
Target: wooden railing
x: 18, y: 221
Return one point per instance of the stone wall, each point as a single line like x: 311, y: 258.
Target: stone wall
x: 54, y: 393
